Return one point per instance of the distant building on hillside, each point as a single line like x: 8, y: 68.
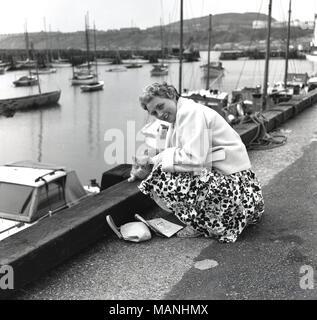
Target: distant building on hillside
x: 259, y: 24
x: 130, y: 29
x: 307, y: 25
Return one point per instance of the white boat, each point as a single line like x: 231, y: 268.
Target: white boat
x: 312, y: 55
x: 25, y: 64
x: 83, y: 80
x: 104, y: 62
x: 28, y: 102
x: 3, y: 67
x: 97, y: 84
x: 60, y: 63
x: 214, y: 99
x: 94, y: 86
x: 31, y: 191
x: 312, y: 83
x: 26, y: 81
x: 169, y: 59
x: 44, y: 71
x: 135, y: 61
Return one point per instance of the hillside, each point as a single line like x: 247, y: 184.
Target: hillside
x: 227, y: 28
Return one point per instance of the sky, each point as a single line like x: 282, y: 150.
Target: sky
x: 68, y: 15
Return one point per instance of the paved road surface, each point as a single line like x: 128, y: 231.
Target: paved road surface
x: 264, y: 264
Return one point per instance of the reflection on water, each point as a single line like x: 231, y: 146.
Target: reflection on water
x: 40, y: 135
x: 72, y: 132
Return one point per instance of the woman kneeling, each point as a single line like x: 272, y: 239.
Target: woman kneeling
x: 204, y: 174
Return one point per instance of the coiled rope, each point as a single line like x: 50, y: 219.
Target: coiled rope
x: 262, y: 139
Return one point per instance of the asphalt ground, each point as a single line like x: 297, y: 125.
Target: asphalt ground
x: 265, y: 262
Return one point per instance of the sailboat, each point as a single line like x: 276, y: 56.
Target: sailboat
x: 312, y: 55
x: 3, y: 67
x: 26, y: 80
x: 160, y: 69
x: 214, y: 99
x: 47, y: 69
x: 38, y: 100
x: 84, y: 77
x: 28, y: 63
x: 41, y: 99
x: 294, y: 83
x: 59, y: 62
x: 98, y: 84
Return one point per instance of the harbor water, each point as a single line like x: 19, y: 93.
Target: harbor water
x: 82, y: 128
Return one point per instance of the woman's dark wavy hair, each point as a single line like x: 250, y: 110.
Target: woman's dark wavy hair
x: 156, y: 89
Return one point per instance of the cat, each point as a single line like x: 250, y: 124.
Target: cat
x: 140, y: 168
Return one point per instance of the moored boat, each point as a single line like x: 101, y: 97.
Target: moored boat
x: 312, y: 55
x: 134, y: 66
x: 26, y: 81
x: 28, y: 102
x: 159, y: 70
x: 215, y: 69
x: 44, y: 71
x: 94, y: 86
x: 83, y: 80
x: 39, y: 190
x: 116, y: 69
x: 27, y: 64
x: 60, y: 63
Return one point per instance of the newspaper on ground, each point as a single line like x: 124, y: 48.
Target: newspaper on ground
x: 161, y: 226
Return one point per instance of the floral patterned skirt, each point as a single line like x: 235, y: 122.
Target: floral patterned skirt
x: 216, y: 205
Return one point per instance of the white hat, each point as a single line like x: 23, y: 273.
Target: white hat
x: 131, y: 231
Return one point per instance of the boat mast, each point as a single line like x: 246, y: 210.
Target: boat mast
x: 95, y: 42
x: 50, y: 42
x: 181, y: 50
x: 162, y: 45
x: 267, y: 58
x: 287, y: 43
x: 27, y: 45
x: 87, y: 38
x: 209, y: 46
x: 46, y: 42
x: 37, y: 70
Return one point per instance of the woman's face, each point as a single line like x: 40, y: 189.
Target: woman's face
x: 163, y: 109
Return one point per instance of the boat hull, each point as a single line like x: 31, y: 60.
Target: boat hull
x: 29, y: 102
x: 25, y: 83
x: 311, y: 57
x: 44, y: 71
x: 77, y: 82
x: 213, y: 73
x: 159, y: 73
x: 60, y: 65
x: 92, y: 87
x: 134, y: 66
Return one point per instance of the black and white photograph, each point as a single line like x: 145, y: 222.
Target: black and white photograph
x: 157, y: 155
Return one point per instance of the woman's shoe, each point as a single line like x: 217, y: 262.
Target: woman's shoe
x: 113, y: 226
x: 189, y: 232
